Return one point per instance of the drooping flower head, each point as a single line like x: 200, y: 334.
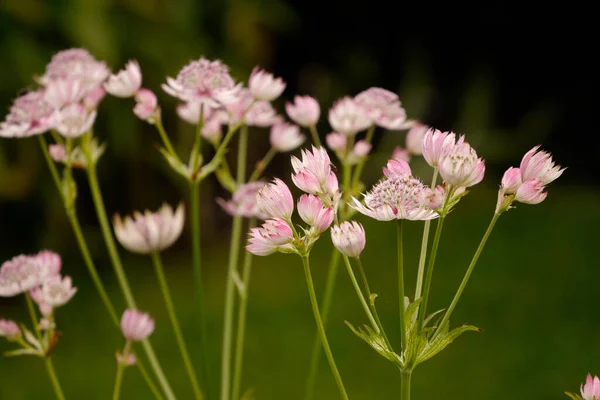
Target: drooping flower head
x: 275, y: 200
x: 126, y: 82
x: 314, y: 174
x: 29, y: 115
x: 382, y: 107
x: 22, y: 273
x: 461, y: 166
x: 415, y: 137
x: 244, y: 203
x: 591, y: 389
x: 274, y: 235
x: 539, y: 165
x: 264, y: 86
x: 304, y: 111
x: 348, y: 117
x: 136, y: 325
x: 285, y: 137
x: 9, y: 329
x: 437, y: 144
x: 150, y: 232
x: 349, y: 238
x: 76, y: 64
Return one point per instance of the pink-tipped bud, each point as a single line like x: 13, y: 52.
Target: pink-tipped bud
x: 324, y: 219
x: 57, y: 152
x: 9, y: 329
x: 401, y: 154
x: 275, y: 200
x: 146, y: 105
x: 285, y: 137
x: 461, y: 166
x: 539, y: 165
x: 264, y: 86
x: 305, y: 111
x: 348, y: 117
x: 349, y: 238
x: 396, y: 168
x: 308, y: 208
x: 437, y: 144
x: 432, y: 198
x: 511, y: 181
x: 313, y: 174
x: 591, y: 389
x: 126, y: 82
x: 274, y: 235
x: 136, y: 325
x: 531, y: 192
x: 336, y: 142
x: 415, y: 137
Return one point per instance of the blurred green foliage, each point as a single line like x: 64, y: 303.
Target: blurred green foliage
x: 533, y: 292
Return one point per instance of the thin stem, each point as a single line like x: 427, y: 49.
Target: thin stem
x: 424, y: 242
x: 234, y: 252
x: 315, y: 135
x: 465, y: 280
x: 118, y: 381
x: 162, y: 379
x: 164, y: 287
x: 325, y: 308
x: 262, y: 164
x: 241, y: 322
x: 54, y: 379
x: 51, y: 165
x: 33, y: 316
x: 360, y: 295
x: 164, y: 137
x: 401, y: 284
x: 197, y: 148
x: 429, y: 276
x: 321, y: 327
x: 148, y: 379
x: 405, y: 377
x: 218, y: 157
x: 361, y: 165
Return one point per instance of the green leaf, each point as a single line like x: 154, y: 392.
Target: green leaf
x: 410, y: 314
x: 31, y: 339
x: 442, y: 340
x: 376, y: 341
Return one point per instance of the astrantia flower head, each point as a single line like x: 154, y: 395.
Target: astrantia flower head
x: 264, y: 86
x: 349, y: 238
x: 511, y: 180
x: 395, y: 197
x: 243, y: 201
x: 275, y: 200
x: 150, y: 232
x: 314, y: 174
x: 201, y: 80
x: 9, y: 329
x: 336, y: 142
x: 29, y: 115
x: 314, y: 213
x: 348, y: 117
x: 285, y: 137
x: 461, y: 166
x: 76, y: 64
x: 57, y: 291
x: 22, y: 273
x: 146, y: 105
x: 136, y: 325
x: 126, y: 82
x: 50, y: 260
x: 61, y: 92
x: 531, y: 192
x: 274, y: 235
x: 415, y: 137
x: 437, y: 144
x: 304, y: 111
x: 539, y: 165
x: 383, y: 108
x: 591, y: 389
x: 58, y: 152
x: 74, y: 120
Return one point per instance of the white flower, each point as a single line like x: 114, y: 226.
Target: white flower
x: 126, y: 82
x: 57, y: 291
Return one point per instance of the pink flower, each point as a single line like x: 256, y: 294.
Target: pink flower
x: 396, y: 168
x: 348, y: 117
x: 382, y: 107
x: 511, y: 181
x: 591, y: 389
x: 146, y: 105
x: 74, y: 120
x: 437, y: 144
x: 362, y: 148
x: 94, y: 97
x: 77, y: 64
x: 349, y: 238
x: 264, y: 86
x: 150, y: 232
x: 401, y: 154
x: 51, y: 260
x: 531, y: 192
x: 126, y: 82
x: 323, y: 219
x: 305, y: 111
x: 336, y: 142
x: 38, y: 296
x: 274, y: 235
x: 314, y: 174
x: 57, y: 152
x: 9, y: 329
x: 243, y: 201
x: 285, y: 137
x: 433, y: 198
x: 22, y: 273
x: 29, y: 115
x: 309, y: 207
x: 201, y: 80
x: 395, y: 197
x: 136, y: 325
x: 212, y: 130
x: 275, y: 200
x: 461, y: 166
x: 539, y: 165
x: 415, y: 137
x: 262, y: 114
x: 61, y: 92
x: 57, y: 291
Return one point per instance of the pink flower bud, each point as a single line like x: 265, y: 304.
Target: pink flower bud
x: 348, y: 117
x: 362, y: 148
x: 461, y: 166
x: 314, y: 174
x: 591, y: 389
x: 305, y: 111
x: 126, y: 359
x: 74, y: 120
x: 9, y: 329
x: 274, y: 235
x: 262, y: 114
x: 324, y: 219
x: 349, y: 238
x: 401, y: 154
x: 415, y: 137
x: 126, y: 82
x: 539, y: 165
x: 336, y: 141
x: 308, y: 208
x: 275, y: 200
x: 331, y: 185
x: 531, y: 192
x: 264, y: 86
x: 383, y: 108
x: 433, y: 199
x: 396, y: 168
x: 136, y: 325
x: 511, y: 180
x: 437, y: 144
x: 285, y: 137
x: 51, y: 260
x: 146, y: 105
x: 57, y: 152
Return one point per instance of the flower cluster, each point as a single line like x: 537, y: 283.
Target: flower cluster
x: 314, y: 174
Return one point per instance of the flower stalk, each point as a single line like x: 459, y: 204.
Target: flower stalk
x: 424, y: 243
x: 401, y: 283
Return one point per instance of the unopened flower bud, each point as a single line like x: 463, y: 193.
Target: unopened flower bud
x: 285, y: 137
x: 433, y: 198
x: 57, y: 152
x: 146, y: 106
x: 349, y: 238
x: 126, y: 82
x: 136, y: 325
x: 531, y: 192
x: 264, y: 86
x: 336, y: 142
x: 401, y: 154
x: 9, y: 329
x: 275, y: 200
x: 305, y: 111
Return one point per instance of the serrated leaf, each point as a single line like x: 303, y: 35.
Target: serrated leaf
x: 23, y: 352
x: 376, y: 341
x: 442, y: 340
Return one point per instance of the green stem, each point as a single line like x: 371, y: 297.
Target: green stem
x: 164, y: 287
x: 162, y: 379
x: 54, y: 379
x: 401, y: 285
x: 315, y: 135
x: 197, y: 148
x: 118, y: 381
x: 219, y: 154
x: 429, y: 276
x: 465, y: 280
x: 198, y: 281
x: 262, y: 164
x: 241, y: 322
x: 321, y: 327
x: 361, y: 165
x: 164, y: 137
x: 51, y: 166
x: 33, y: 316
x: 148, y: 380
x: 360, y: 295
x: 405, y: 377
x: 424, y: 242
x: 325, y: 308
x: 234, y: 252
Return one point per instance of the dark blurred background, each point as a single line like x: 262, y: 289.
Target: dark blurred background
x: 510, y: 76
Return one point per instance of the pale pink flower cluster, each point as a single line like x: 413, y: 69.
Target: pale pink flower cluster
x: 397, y: 196
x: 150, y: 232
x: 383, y: 108
x: 314, y: 174
x: 591, y: 389
x: 527, y: 183
x: 264, y: 86
x: 401, y: 154
x: 136, y: 325
x: 304, y: 111
x: 9, y: 329
x: 349, y: 238
x: 243, y: 201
